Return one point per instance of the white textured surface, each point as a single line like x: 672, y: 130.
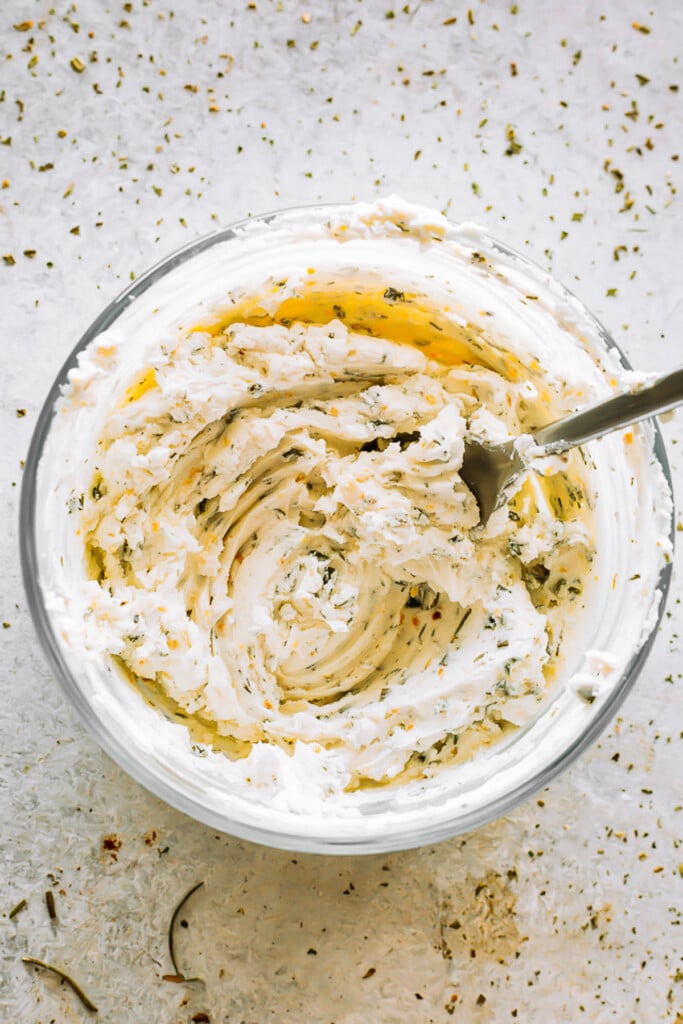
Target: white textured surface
x: 572, y: 904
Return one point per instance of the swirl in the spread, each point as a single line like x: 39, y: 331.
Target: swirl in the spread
x: 282, y: 552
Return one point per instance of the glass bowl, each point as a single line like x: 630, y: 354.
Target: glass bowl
x: 388, y: 249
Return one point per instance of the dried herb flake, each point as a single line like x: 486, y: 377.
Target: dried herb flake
x: 17, y: 909
x: 50, y: 901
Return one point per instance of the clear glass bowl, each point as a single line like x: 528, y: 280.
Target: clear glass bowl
x: 444, y: 806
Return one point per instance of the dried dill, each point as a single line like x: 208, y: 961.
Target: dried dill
x: 178, y: 975
x: 89, y: 1005
x: 422, y: 596
x: 462, y: 622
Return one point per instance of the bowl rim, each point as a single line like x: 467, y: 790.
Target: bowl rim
x: 397, y: 838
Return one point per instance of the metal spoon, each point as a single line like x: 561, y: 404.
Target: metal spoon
x: 488, y: 470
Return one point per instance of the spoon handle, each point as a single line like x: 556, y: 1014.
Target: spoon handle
x: 665, y: 393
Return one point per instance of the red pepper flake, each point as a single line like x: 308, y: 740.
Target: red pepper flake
x: 436, y: 616
x: 175, y: 978
x: 112, y: 844
x: 201, y: 1018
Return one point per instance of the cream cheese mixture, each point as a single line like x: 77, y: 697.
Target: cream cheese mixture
x: 271, y: 538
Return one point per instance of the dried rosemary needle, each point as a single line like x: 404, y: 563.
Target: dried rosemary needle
x: 178, y: 975
x: 89, y: 1005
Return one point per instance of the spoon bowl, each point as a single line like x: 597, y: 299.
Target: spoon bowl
x: 489, y: 470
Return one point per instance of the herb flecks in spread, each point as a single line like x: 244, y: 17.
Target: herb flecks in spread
x: 282, y: 552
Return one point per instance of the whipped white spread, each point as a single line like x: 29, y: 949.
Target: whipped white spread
x: 263, y: 529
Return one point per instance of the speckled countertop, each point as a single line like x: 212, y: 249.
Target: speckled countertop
x: 128, y: 129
